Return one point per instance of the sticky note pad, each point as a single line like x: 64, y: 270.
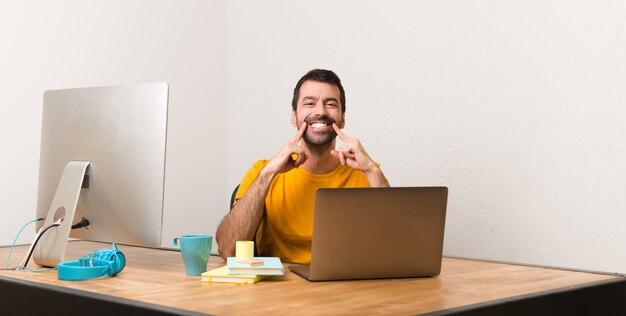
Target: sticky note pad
x: 250, y: 263
x: 244, y: 250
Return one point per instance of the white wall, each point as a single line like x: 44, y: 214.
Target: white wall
x: 65, y: 44
x: 516, y: 106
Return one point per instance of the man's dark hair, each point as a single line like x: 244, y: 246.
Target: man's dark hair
x: 320, y: 75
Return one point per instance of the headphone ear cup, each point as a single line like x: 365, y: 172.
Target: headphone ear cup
x: 119, y: 261
x: 115, y: 257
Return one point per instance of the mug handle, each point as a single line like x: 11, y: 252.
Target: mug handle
x: 175, y: 243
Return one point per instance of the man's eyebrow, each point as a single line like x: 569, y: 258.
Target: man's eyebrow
x: 331, y: 99
x: 309, y: 98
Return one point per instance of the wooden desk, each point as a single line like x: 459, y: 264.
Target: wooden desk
x: 156, y: 276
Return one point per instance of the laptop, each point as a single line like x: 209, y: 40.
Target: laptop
x: 373, y: 233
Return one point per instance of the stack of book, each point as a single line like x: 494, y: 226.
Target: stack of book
x: 245, y: 271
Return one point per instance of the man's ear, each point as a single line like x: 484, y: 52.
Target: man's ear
x: 294, y: 119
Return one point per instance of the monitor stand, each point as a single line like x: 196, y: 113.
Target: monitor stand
x: 50, y: 249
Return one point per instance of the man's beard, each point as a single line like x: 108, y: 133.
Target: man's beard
x: 321, y: 140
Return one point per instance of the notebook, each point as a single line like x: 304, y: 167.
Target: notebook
x: 371, y: 233
x: 268, y: 266
x: 220, y: 275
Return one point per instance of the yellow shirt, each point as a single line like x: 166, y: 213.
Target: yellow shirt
x: 287, y: 225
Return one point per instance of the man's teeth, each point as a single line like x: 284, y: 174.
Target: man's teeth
x: 318, y: 125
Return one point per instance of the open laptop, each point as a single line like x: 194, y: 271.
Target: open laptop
x: 371, y: 233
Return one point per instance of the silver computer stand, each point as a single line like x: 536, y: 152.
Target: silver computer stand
x: 50, y: 249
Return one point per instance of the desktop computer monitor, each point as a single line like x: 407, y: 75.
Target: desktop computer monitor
x: 102, y: 158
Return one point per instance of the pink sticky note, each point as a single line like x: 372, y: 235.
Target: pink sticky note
x: 250, y: 262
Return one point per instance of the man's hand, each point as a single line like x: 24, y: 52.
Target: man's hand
x: 352, y: 153
x: 282, y: 160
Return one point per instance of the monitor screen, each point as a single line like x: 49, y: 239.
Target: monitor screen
x: 120, y: 133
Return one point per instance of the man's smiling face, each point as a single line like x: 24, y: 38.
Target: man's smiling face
x: 318, y: 107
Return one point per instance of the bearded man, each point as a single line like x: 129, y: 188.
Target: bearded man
x: 275, y: 200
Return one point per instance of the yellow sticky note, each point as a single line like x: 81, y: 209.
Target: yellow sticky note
x: 244, y: 250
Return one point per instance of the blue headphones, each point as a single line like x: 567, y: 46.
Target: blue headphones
x: 99, y: 263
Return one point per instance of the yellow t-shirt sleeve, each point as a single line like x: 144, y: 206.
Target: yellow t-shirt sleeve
x: 249, y: 178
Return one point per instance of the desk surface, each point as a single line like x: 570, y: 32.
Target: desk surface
x: 157, y: 276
